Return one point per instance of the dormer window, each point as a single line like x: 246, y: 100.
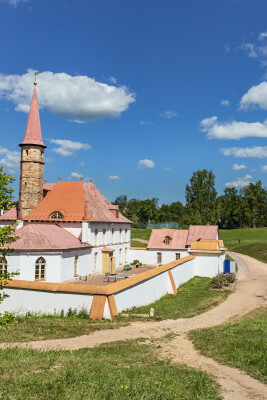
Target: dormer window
x: 56, y: 215
x: 167, y: 240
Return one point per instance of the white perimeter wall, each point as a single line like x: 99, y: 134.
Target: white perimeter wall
x: 21, y: 301
x: 150, y: 256
x: 209, y: 264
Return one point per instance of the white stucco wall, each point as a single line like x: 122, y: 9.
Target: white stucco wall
x: 152, y: 289
x: 85, y: 266
x: 21, y: 301
x: 209, y: 264
x: 150, y: 256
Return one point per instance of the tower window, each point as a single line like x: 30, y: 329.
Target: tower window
x: 56, y: 215
x: 27, y: 152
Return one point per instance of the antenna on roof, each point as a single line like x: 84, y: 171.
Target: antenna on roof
x: 81, y: 178
x: 59, y: 178
x: 45, y: 180
x: 91, y: 180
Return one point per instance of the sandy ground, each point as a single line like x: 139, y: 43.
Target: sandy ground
x: 250, y: 292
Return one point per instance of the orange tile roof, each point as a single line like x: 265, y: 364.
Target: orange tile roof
x: 48, y: 186
x: 77, y: 201
x: 67, y: 198
x: 197, y: 232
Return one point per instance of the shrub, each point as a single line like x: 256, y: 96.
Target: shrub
x: 135, y: 262
x: 6, y: 318
x: 218, y: 281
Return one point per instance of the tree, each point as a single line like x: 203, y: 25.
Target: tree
x: 200, y: 197
x: 255, y: 197
x: 7, y: 236
x: 122, y: 202
x: 231, y: 209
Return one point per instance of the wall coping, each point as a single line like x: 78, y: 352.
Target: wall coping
x: 93, y: 289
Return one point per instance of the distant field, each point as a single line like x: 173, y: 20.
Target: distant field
x: 141, y: 233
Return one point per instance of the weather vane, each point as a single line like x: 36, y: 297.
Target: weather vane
x: 35, y: 82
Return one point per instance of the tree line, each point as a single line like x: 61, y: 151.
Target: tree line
x: 246, y: 207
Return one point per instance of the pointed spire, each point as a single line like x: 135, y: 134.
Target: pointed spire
x: 33, y: 134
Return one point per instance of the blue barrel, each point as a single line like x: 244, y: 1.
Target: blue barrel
x: 227, y: 266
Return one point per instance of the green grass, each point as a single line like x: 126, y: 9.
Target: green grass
x: 122, y: 370
x: 192, y: 298
x: 135, y: 243
x: 241, y: 344
x: 46, y: 327
x: 141, y: 233
x: 250, y: 241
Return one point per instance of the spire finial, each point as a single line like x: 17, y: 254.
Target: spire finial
x: 35, y: 82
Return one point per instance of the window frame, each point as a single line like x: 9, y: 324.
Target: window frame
x: 38, y: 269
x: 58, y: 214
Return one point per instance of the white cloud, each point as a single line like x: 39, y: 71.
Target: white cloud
x: 246, y: 152
x: 225, y: 102
x: 10, y: 160
x: 169, y: 114
x: 167, y: 168
x: 77, y: 176
x: 262, y: 35
x: 114, y: 178
x: 68, y: 147
x: 77, y: 97
x: 14, y: 3
x: 112, y: 80
x: 256, y: 95
x: 264, y: 168
x: 233, y: 129
x: 48, y: 159
x: 146, y: 123
x: 142, y: 164
x: 227, y: 48
x: 250, y: 48
x: 240, y: 182
x: 237, y: 167
x: 82, y: 164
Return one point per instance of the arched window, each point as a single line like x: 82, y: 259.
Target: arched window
x: 56, y: 215
x: 40, y: 267
x: 3, y: 266
x: 76, y: 263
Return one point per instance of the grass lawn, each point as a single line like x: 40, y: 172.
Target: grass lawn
x: 192, y: 298
x: 250, y: 241
x: 141, y: 233
x: 241, y: 344
x: 46, y: 327
x: 122, y: 370
x: 135, y: 243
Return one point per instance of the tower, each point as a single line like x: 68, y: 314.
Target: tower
x: 32, y: 161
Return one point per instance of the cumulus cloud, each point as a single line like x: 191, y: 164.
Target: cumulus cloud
x: 76, y: 176
x: 10, y: 160
x: 167, y: 168
x: 264, y: 168
x: 237, y: 167
x: 14, y: 3
x: 240, y: 182
x: 225, y: 102
x: 256, y: 95
x: 82, y: 164
x: 112, y: 80
x: 246, y: 152
x: 257, y: 48
x: 233, y: 129
x: 80, y: 98
x: 114, y: 178
x: 142, y: 164
x: 169, y: 114
x: 68, y: 147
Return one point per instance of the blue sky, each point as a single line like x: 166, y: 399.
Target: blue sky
x: 138, y: 94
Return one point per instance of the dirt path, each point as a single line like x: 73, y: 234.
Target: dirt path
x: 250, y: 292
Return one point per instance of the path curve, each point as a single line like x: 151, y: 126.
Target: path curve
x: 250, y: 293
